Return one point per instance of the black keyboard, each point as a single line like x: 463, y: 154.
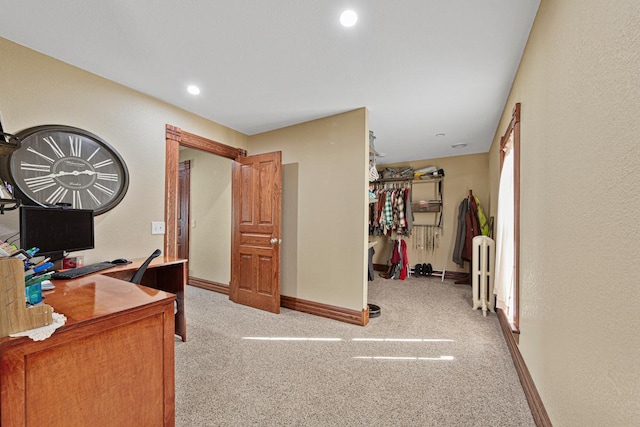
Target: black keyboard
x: 82, y: 271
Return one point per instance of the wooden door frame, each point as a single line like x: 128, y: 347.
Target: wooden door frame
x: 176, y: 137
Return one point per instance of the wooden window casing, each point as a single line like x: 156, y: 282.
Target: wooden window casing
x: 514, y: 127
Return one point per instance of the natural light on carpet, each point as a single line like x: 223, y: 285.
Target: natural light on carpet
x: 352, y: 339
x: 409, y: 358
x: 401, y: 340
x: 290, y: 339
x: 367, y: 340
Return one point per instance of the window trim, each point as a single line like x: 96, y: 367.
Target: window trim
x: 514, y: 126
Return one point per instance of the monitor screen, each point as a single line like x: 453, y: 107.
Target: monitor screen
x: 56, y: 230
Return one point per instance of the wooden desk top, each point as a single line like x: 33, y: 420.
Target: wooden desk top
x: 98, y: 295
x: 136, y: 263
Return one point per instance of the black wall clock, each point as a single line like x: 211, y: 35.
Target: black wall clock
x: 65, y: 165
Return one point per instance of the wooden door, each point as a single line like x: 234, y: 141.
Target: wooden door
x: 255, y: 247
x: 184, y: 193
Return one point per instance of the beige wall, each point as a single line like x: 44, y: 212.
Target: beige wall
x: 324, y: 207
x: 462, y: 173
x: 325, y: 217
x: 36, y: 89
x: 209, y: 216
x: 579, y: 85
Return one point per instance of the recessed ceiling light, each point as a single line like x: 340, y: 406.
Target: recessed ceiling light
x: 439, y: 135
x: 459, y: 145
x: 348, y: 18
x: 193, y: 90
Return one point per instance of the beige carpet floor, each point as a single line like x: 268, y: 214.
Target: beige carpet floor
x: 428, y: 360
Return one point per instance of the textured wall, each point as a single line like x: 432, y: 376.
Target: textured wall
x: 579, y: 85
x: 328, y: 158
x: 36, y: 89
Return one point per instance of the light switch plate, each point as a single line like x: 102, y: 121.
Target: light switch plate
x: 157, y: 227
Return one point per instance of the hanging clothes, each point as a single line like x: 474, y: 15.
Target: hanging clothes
x: 461, y: 233
x: 472, y: 228
x: 482, y: 219
x: 472, y: 222
x: 387, y: 213
x: 408, y: 212
x: 402, y: 247
x: 398, y: 210
x: 391, y: 212
x: 399, y: 261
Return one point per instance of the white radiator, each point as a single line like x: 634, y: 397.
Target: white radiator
x: 482, y: 277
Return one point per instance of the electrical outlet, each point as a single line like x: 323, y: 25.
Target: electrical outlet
x: 157, y: 227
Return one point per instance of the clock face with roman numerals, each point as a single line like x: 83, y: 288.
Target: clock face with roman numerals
x: 66, y: 165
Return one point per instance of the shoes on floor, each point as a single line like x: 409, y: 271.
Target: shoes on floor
x: 417, y: 271
x: 429, y: 270
x: 423, y: 270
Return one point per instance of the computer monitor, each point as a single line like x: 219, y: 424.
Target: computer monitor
x: 56, y: 230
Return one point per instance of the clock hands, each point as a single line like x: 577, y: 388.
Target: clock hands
x: 63, y: 173
x: 76, y: 173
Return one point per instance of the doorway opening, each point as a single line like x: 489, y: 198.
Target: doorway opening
x: 204, y: 218
x: 202, y: 215
x: 253, y: 205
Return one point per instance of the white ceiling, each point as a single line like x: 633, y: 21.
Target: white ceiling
x: 421, y: 67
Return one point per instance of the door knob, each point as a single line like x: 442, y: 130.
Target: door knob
x: 273, y: 240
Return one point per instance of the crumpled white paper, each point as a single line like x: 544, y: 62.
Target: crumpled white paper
x: 44, y: 332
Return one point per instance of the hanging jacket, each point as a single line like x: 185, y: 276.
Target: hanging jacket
x: 405, y: 260
x: 482, y: 219
x: 472, y: 229
x: 462, y: 232
x: 399, y: 261
x: 408, y: 210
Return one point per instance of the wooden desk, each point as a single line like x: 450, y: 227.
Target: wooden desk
x: 164, y: 273
x: 111, y: 364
